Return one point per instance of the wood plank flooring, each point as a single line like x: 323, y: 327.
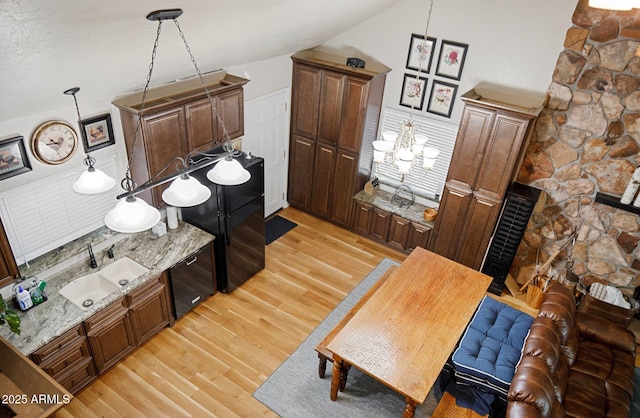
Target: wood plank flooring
x: 212, y: 360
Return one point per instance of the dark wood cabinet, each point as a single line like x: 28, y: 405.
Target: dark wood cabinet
x: 110, y: 335
x: 179, y: 118
x: 488, y: 150
x: 149, y: 308
x: 68, y: 360
x: 8, y: 266
x: 334, y: 113
x: 388, y: 228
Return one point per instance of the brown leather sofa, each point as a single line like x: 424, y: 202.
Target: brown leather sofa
x: 573, y: 364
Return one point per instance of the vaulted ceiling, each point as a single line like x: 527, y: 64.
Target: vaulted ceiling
x: 105, y: 47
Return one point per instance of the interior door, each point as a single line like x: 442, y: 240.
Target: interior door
x: 267, y: 136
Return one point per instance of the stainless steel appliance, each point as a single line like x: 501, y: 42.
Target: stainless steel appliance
x: 192, y: 280
x: 235, y: 215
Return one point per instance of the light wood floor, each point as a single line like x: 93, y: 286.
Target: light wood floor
x: 212, y: 360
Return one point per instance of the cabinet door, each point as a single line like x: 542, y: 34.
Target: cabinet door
x: 362, y: 216
x: 166, y: 139
x: 110, y: 335
x: 418, y: 236
x: 305, y: 101
x: 201, y: 129
x: 354, y: 113
x: 503, y: 152
x: 478, y: 228
x: 471, y: 142
x: 8, y: 266
x: 380, y: 224
x: 331, y: 96
x: 323, y: 174
x: 450, y: 221
x: 344, y: 185
x: 230, y: 106
x: 301, y: 157
x: 398, y: 232
x: 149, y: 309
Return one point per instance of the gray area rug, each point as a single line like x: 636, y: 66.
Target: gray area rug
x: 295, y: 390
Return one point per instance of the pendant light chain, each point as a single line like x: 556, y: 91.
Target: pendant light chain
x: 128, y: 183
x: 214, y: 109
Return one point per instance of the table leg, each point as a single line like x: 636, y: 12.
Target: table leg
x: 322, y: 366
x: 410, y: 408
x: 336, y: 376
x: 343, y: 375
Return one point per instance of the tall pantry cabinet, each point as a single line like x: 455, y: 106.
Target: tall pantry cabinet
x: 489, y: 148
x: 335, y: 111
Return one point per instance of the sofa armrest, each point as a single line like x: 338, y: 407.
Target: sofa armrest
x: 606, y: 332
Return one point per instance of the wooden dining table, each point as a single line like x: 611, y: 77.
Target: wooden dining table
x: 404, y: 333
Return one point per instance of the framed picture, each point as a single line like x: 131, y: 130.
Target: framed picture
x: 13, y: 158
x: 420, y: 53
x: 97, y: 132
x: 412, y: 94
x: 441, y: 98
x: 451, y: 59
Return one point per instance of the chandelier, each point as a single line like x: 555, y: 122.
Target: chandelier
x: 404, y: 148
x: 132, y: 214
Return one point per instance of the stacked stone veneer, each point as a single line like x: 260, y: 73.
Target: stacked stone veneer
x: 586, y: 141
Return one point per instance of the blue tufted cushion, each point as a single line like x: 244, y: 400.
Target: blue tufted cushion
x: 490, y: 348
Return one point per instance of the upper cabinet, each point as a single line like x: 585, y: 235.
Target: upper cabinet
x: 178, y: 118
x: 335, y: 111
x: 489, y: 148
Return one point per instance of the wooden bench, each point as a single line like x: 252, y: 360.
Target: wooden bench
x: 321, y: 348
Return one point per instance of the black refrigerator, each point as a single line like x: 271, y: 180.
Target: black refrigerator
x: 235, y: 216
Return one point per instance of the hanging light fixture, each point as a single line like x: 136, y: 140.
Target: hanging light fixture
x: 403, y: 149
x: 132, y: 214
x: 614, y: 4
x: 92, y: 180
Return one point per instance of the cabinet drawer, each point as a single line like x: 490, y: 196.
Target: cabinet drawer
x: 68, y: 339
x: 78, y: 376
x: 67, y: 358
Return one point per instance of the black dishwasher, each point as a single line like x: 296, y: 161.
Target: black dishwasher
x: 192, y: 280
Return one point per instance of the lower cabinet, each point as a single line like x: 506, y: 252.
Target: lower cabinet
x: 78, y: 356
x: 388, y: 228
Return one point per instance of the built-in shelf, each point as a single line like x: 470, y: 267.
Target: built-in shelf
x: 614, y: 201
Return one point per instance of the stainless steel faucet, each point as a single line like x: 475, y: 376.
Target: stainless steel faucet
x: 92, y: 258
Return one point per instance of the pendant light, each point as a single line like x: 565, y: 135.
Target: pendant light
x: 613, y: 4
x: 132, y: 214
x: 92, y: 180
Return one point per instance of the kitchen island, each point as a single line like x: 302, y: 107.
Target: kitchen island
x: 57, y: 315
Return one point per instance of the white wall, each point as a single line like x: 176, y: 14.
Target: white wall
x: 512, y: 43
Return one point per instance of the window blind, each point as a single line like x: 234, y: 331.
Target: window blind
x: 42, y: 215
x: 441, y: 136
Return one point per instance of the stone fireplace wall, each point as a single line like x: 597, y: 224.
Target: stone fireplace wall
x: 586, y: 141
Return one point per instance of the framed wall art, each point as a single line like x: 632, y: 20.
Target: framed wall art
x: 13, y: 158
x: 412, y: 94
x: 451, y: 59
x: 97, y: 132
x: 441, y: 98
x: 420, y: 53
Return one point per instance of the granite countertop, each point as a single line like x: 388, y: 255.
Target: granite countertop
x: 382, y: 199
x: 44, y: 322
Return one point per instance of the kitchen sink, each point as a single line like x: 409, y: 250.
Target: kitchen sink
x: 89, y: 289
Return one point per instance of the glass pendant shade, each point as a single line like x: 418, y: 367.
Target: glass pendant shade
x: 93, y: 181
x: 228, y: 172
x: 132, y: 215
x: 405, y: 161
x: 380, y: 149
x: 186, y: 191
x: 429, y: 156
x: 613, y: 4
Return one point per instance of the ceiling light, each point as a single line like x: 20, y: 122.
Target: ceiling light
x: 184, y: 191
x: 613, y: 4
x: 92, y: 180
